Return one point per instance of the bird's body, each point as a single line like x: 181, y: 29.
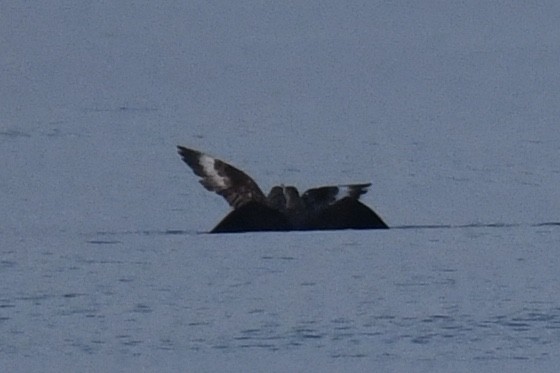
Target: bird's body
x: 328, y: 207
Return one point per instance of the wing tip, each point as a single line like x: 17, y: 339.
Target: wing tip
x: 189, y: 156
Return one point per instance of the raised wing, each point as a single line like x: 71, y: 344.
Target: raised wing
x: 322, y: 197
x: 224, y: 179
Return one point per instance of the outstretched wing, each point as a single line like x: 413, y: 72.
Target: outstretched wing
x: 322, y: 197
x: 217, y: 176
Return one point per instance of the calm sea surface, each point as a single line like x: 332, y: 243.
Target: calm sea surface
x: 450, y: 110
x: 414, y: 298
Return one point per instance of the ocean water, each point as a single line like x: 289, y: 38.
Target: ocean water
x: 450, y: 110
x: 410, y: 298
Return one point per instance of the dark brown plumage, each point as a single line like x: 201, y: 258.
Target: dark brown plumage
x: 327, y: 207
x: 217, y: 176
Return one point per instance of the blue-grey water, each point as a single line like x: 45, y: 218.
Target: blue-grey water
x: 411, y: 299
x: 449, y: 109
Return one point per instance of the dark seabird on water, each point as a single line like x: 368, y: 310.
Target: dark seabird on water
x: 283, y: 209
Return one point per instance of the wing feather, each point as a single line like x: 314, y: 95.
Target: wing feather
x: 322, y: 197
x: 222, y: 178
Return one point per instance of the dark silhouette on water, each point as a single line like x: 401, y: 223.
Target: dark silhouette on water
x: 283, y: 209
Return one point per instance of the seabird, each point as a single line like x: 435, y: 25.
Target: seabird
x: 283, y: 209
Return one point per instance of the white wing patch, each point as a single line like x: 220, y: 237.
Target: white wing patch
x: 353, y: 190
x: 208, y: 165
